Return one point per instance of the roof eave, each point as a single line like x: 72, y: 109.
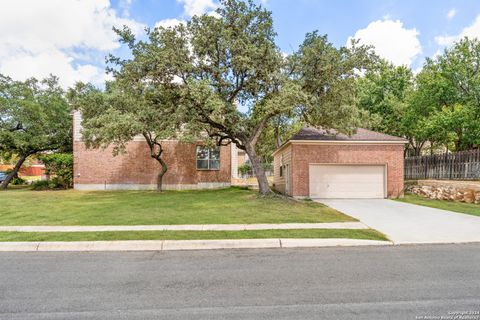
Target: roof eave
x: 334, y: 142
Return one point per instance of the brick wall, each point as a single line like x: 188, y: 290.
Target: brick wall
x: 303, y: 155
x: 136, y: 167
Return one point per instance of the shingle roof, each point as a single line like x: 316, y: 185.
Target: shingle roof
x: 311, y: 133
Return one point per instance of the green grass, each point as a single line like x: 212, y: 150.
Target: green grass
x: 225, y: 206
x: 461, y: 207
x: 368, y: 234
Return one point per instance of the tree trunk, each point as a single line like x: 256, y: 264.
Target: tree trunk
x: 418, y: 151
x: 263, y: 186
x: 14, y: 172
x: 278, y: 140
x: 156, y: 151
x: 161, y: 174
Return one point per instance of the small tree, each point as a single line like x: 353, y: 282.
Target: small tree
x: 388, y: 93
x: 61, y: 166
x: 448, y: 87
x: 244, y: 169
x: 34, y: 117
x: 143, y: 99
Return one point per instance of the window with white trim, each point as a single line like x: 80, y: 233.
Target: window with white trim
x: 208, y: 158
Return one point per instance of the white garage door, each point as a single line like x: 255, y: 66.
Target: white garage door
x: 347, y: 181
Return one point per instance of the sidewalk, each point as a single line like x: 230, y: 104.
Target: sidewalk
x: 199, y: 227
x: 167, y: 245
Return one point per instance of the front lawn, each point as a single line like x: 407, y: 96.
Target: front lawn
x: 461, y: 207
x: 225, y: 206
x: 368, y: 234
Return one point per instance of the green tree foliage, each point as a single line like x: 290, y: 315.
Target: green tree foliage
x: 34, y: 117
x: 387, y: 92
x: 327, y: 75
x: 383, y: 91
x: 244, y: 169
x: 449, y: 89
x: 59, y: 165
x: 276, y: 133
x: 440, y: 105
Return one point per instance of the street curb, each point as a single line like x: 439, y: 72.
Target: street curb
x: 172, y: 245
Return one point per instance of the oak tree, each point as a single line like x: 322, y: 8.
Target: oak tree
x: 34, y: 118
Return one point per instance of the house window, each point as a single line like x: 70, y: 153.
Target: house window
x: 208, y: 158
x: 281, y: 171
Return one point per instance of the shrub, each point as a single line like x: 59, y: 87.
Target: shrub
x: 53, y: 184
x: 40, y: 185
x: 17, y: 181
x: 59, y: 165
x: 244, y: 169
x: 267, y: 166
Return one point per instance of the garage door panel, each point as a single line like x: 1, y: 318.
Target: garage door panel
x: 347, y: 181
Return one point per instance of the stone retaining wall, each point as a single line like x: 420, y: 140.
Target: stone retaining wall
x: 462, y: 191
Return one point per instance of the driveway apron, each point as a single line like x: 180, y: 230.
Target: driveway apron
x: 406, y: 223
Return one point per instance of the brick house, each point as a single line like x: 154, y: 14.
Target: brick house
x: 322, y: 164
x: 190, y: 165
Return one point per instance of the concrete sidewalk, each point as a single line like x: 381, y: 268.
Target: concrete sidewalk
x: 200, y: 227
x: 167, y: 245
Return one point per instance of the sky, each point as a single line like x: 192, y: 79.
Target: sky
x: 70, y: 38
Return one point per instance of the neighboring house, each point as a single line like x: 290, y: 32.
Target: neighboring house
x: 190, y: 165
x: 239, y: 158
x: 32, y: 170
x: 322, y: 164
x: 242, y: 158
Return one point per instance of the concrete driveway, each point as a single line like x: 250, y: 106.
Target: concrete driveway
x: 408, y: 223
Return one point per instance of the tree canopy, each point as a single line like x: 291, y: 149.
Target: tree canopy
x: 450, y: 89
x: 439, y: 105
x: 34, y: 117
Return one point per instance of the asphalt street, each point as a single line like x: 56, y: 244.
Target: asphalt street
x: 400, y: 282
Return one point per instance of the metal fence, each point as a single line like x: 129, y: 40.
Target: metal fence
x: 464, y: 165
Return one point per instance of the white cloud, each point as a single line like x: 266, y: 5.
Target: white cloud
x: 190, y: 9
x: 169, y: 23
x: 51, y: 34
x: 125, y: 6
x: 391, y: 40
x: 472, y: 31
x: 445, y: 40
x: 197, y: 7
x: 23, y: 66
x: 451, y: 13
